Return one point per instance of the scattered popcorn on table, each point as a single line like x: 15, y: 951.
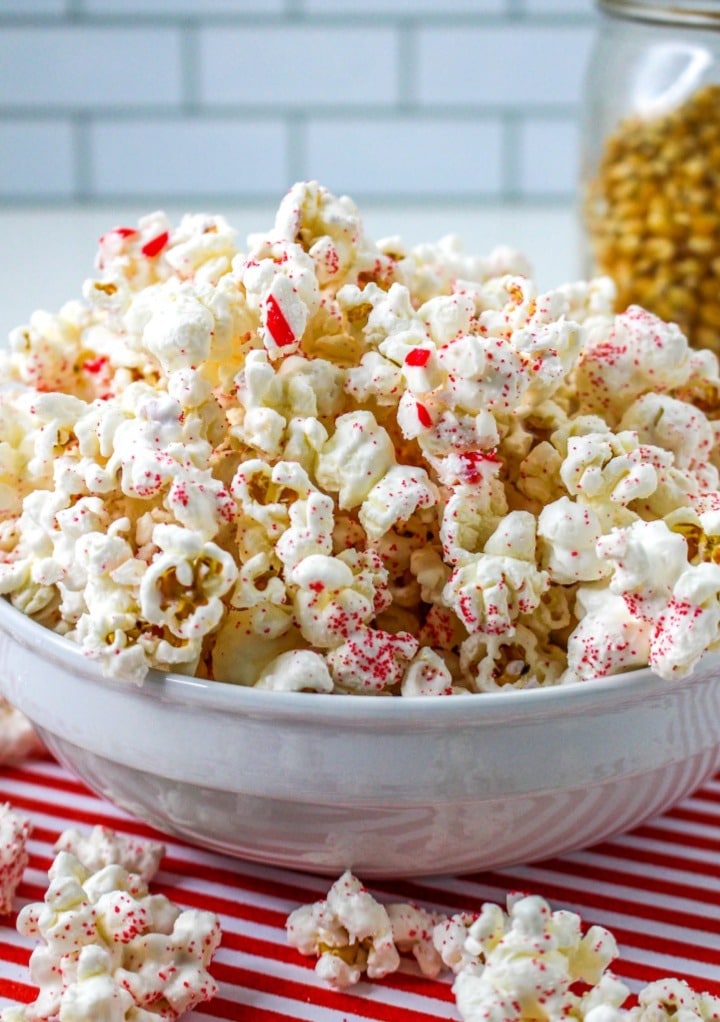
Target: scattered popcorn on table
x: 18, y: 739
x: 529, y: 964
x: 14, y: 832
x: 109, y: 949
x: 327, y: 464
x: 350, y: 932
x: 103, y: 847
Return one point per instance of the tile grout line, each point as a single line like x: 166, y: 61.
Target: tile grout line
x: 406, y: 45
x: 190, y: 67
x: 82, y: 157
x: 511, y: 157
x: 296, y: 143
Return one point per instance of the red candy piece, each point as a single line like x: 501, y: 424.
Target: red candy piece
x: 424, y: 416
x: 278, y: 327
x: 155, y: 245
x: 417, y: 357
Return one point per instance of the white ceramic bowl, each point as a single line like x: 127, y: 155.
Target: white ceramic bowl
x: 385, y: 786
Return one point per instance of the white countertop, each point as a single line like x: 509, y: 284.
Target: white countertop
x: 46, y: 254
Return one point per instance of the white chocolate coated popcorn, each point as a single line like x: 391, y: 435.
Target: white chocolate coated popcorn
x: 526, y: 964
x: 321, y: 463
x: 18, y: 740
x: 350, y: 931
x: 104, y: 846
x: 109, y: 949
x: 15, y: 829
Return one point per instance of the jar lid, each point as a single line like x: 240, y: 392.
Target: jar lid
x: 679, y: 12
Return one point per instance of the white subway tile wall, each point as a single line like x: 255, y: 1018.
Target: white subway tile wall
x: 390, y: 100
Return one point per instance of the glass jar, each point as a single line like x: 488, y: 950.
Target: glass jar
x: 651, y: 159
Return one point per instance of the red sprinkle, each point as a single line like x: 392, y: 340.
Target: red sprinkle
x: 424, y: 416
x: 95, y: 365
x: 417, y: 357
x: 277, y: 325
x: 155, y: 245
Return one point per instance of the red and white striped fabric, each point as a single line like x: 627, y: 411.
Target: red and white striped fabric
x: 657, y: 889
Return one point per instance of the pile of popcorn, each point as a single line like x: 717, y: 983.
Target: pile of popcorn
x: 529, y: 964
x: 108, y: 949
x: 652, y: 216
x: 331, y: 464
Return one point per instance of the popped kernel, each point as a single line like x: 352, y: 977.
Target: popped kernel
x: 15, y: 828
x: 103, y: 846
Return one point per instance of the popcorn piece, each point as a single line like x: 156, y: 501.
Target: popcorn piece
x: 489, y: 592
x: 183, y: 586
x: 14, y: 832
x: 674, y: 999
x: 103, y: 847
x: 179, y: 331
x: 638, y: 354
x: 371, y: 659
x: 689, y: 624
x: 569, y: 532
x: 412, y: 930
x: 355, y: 458
x: 526, y: 969
x: 517, y: 659
x: 297, y: 670
x: 647, y: 560
x: 106, y: 939
x: 607, y: 468
x: 673, y: 425
x: 608, y: 639
x: 337, y: 596
x: 395, y: 498
x: 450, y: 937
x: 427, y: 675
x: 350, y: 932
x: 327, y: 226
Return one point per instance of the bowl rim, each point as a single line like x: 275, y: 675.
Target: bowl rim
x: 432, y: 710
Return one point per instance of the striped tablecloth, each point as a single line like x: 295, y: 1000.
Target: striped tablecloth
x: 657, y: 889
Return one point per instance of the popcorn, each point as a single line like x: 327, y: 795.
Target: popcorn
x: 395, y: 498
x: 109, y: 948
x: 297, y: 670
x: 371, y: 659
x: 639, y: 354
x: 350, y: 931
x: 269, y: 465
x: 355, y: 458
x: 184, y: 583
x: 18, y: 740
x: 674, y: 999
x: 570, y: 532
x: 427, y: 675
x: 608, y: 638
x: 688, y: 625
x: 14, y: 832
x: 526, y: 964
x: 489, y: 592
x: 103, y: 846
